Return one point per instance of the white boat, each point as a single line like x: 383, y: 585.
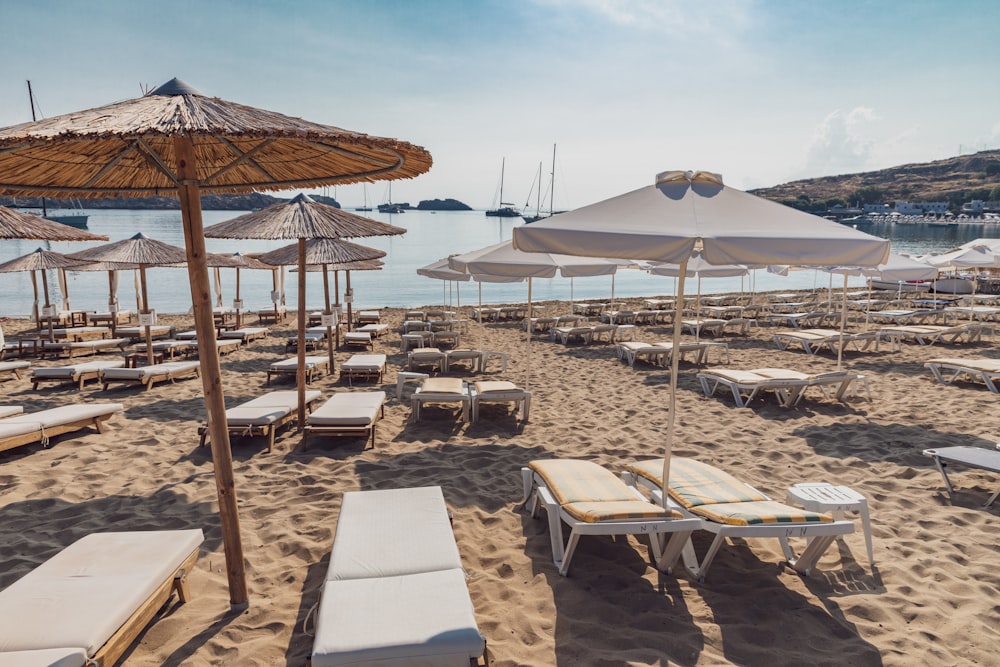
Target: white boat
x: 552, y: 188
x: 504, y: 210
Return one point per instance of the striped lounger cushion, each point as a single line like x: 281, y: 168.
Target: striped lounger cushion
x: 592, y: 494
x: 720, y: 497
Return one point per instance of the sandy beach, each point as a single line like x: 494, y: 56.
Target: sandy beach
x: 931, y: 597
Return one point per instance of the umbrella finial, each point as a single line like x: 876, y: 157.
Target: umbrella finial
x: 302, y: 198
x: 175, y: 87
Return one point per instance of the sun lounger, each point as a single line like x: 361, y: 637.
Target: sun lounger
x: 426, y: 356
x: 246, y: 334
x: 972, y: 457
x: 82, y: 333
x: 799, y: 320
x: 106, y: 317
x: 359, y: 339
x: 987, y: 370
x: 150, y: 375
x: 272, y: 314
x: 368, y: 317
x: 155, y: 331
x: 223, y: 347
x: 313, y: 341
x: 566, y: 335
x: 83, y: 348
x: 10, y: 411
x: 14, y: 367
x: 788, y: 385
x: 374, y: 329
x: 592, y: 501
x: 462, y: 355
x: 441, y: 390
x: 363, y: 366
x: 632, y: 351
x: 347, y: 413
x: 314, y: 366
x: 78, y: 373
x: 929, y: 334
x: 395, y: 594
x: 24, y: 429
x: 263, y: 415
x: 87, y: 604
x: 814, y: 340
x: 499, y: 391
x: 730, y: 508
x: 170, y: 347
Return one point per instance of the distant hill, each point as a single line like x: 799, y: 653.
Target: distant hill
x: 442, y: 205
x: 955, y: 180
x: 209, y: 202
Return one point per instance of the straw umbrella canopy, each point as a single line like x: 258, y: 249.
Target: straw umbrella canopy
x: 176, y: 140
x: 17, y: 225
x: 40, y: 260
x: 321, y: 251
x: 239, y: 262
x: 142, y: 252
x: 682, y: 211
x: 302, y: 219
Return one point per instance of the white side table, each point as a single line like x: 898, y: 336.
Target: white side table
x: 402, y: 377
x: 823, y: 497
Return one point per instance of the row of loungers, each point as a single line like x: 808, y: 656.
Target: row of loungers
x: 593, y: 501
x: 815, y: 340
x: 788, y: 385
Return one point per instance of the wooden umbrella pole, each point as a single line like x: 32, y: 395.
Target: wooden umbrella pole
x: 274, y: 282
x: 326, y: 310
x: 674, y: 370
x: 45, y: 289
x: 238, y: 318
x: 112, y: 300
x: 347, y: 288
x: 145, y: 310
x: 336, y: 306
x: 211, y: 372
x: 300, y: 373
x: 34, y: 304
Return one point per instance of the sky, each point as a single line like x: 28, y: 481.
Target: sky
x: 760, y: 91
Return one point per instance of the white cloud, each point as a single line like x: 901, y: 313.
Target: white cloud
x: 719, y: 21
x: 839, y: 145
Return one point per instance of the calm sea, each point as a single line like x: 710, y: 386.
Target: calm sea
x: 429, y: 237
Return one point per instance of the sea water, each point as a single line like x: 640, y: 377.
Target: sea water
x: 430, y: 236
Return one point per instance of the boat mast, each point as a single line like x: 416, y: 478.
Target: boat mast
x: 503, y: 162
x: 31, y: 100
x: 552, y: 188
x: 538, y: 199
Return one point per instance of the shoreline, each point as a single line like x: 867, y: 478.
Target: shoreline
x: 928, y: 599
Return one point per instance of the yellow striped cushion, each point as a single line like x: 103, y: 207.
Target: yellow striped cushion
x: 693, y: 483
x: 758, y: 512
x: 591, y: 493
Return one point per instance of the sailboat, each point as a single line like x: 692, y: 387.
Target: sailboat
x: 78, y: 220
x: 505, y: 210
x: 389, y: 207
x: 552, y: 188
x: 366, y: 207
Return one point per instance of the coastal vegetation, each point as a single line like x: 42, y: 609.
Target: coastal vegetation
x: 954, y: 180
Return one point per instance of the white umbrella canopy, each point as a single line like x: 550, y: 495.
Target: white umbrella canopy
x: 980, y: 256
x: 176, y: 140
x: 440, y: 270
x: 683, y: 211
x: 502, y: 259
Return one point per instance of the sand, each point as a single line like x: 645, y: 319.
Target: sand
x: 930, y: 599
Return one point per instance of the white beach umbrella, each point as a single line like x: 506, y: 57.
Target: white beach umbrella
x: 683, y: 211
x: 440, y: 270
x: 502, y: 259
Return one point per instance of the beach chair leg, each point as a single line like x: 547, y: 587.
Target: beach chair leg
x: 270, y: 438
x: 806, y: 563
x: 706, y: 562
x: 674, y: 549
x: 567, y: 554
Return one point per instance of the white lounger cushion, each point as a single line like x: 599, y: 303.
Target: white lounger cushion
x: 49, y: 657
x: 169, y: 369
x: 13, y: 365
x: 358, y: 408
x: 72, y: 371
x: 291, y: 365
x: 83, y: 594
x: 10, y: 410
x: 386, y: 606
x: 64, y: 414
x: 268, y: 408
x: 364, y: 363
x: 248, y: 332
x: 422, y: 620
x: 360, y: 551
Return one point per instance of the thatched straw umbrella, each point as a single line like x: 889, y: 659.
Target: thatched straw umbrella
x: 17, y: 225
x: 142, y: 252
x: 175, y: 140
x: 239, y: 262
x: 40, y: 260
x: 322, y: 252
x: 302, y: 219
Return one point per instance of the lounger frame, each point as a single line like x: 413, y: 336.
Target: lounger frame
x: 253, y: 430
x: 44, y: 435
x: 959, y: 368
x: 536, y: 493
x: 820, y: 535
